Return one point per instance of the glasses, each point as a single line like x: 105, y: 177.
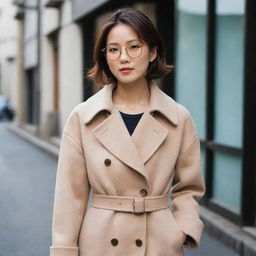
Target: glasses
x: 133, y: 50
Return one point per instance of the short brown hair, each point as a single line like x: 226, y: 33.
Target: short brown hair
x: 146, y: 32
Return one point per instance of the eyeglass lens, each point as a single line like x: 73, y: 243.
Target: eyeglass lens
x: 132, y: 50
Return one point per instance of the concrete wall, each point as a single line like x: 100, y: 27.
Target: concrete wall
x: 71, y: 62
x: 30, y: 36
x: 82, y: 7
x: 47, y: 76
x: 20, y: 92
x: 8, y: 51
x: 50, y: 20
x: 50, y: 23
x: 70, y: 66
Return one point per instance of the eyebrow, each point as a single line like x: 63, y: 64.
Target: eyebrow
x: 114, y: 43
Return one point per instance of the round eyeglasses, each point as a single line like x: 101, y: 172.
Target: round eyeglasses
x: 133, y: 50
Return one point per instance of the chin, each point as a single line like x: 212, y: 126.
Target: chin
x: 128, y: 80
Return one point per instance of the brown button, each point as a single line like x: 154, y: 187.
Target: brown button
x: 143, y: 192
x: 114, y: 242
x: 107, y: 162
x: 138, y: 242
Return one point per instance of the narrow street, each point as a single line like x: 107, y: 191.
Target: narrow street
x: 27, y: 181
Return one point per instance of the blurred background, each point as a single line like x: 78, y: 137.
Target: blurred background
x: 45, y: 53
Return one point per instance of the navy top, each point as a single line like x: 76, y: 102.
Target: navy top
x: 131, y: 120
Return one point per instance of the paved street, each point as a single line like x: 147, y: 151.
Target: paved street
x: 27, y: 180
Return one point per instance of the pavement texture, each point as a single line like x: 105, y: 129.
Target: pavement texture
x: 27, y: 180
x: 27, y: 183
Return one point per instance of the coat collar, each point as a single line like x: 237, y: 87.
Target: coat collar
x: 159, y: 102
x: 147, y: 137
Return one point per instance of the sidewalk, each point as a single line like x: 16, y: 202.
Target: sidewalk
x: 220, y: 236
x: 211, y: 247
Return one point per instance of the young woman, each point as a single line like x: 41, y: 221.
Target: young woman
x: 127, y: 144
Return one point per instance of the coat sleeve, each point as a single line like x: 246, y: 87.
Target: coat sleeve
x: 189, y: 187
x: 71, y: 191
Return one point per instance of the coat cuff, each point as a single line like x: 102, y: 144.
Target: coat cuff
x: 63, y: 251
x: 193, y: 228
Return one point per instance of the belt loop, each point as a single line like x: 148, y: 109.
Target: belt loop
x: 139, y: 205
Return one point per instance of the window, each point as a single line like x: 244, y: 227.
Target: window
x: 190, y: 62
x: 228, y: 106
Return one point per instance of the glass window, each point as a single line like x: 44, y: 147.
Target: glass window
x: 190, y: 59
x: 229, y: 72
x: 227, y: 181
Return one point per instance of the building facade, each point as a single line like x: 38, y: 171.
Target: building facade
x: 8, y: 52
x: 212, y: 45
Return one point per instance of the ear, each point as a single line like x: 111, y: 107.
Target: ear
x: 152, y: 54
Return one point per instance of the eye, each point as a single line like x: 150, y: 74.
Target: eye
x: 112, y: 49
x: 135, y: 46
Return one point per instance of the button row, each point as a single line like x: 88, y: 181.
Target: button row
x: 143, y: 191
x: 114, y: 242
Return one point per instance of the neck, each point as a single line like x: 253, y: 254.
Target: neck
x: 132, y: 94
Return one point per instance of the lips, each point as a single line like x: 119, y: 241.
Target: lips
x: 125, y: 70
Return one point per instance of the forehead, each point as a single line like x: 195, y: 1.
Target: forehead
x: 121, y: 34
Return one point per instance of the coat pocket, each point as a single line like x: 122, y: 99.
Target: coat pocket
x: 175, y: 223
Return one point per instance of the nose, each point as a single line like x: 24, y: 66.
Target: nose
x: 123, y: 55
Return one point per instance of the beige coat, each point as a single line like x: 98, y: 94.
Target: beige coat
x: 98, y: 153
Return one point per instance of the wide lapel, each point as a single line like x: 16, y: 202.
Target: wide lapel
x: 114, y: 136
x: 148, y: 136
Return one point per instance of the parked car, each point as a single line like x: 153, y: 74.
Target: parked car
x: 7, y: 111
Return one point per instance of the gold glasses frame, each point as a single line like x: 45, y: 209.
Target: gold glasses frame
x: 120, y: 48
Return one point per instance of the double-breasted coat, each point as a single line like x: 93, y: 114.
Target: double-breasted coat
x: 97, y: 154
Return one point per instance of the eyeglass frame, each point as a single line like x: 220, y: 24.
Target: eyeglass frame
x: 104, y: 51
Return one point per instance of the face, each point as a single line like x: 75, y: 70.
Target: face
x: 122, y: 36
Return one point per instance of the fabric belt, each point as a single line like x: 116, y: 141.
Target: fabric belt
x: 136, y: 205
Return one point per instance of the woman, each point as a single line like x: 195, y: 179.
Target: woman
x: 127, y: 144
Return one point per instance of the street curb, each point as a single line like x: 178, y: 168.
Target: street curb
x: 227, y: 232
x: 215, y: 225
x: 51, y: 150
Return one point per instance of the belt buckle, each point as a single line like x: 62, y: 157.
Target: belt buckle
x: 138, y: 205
